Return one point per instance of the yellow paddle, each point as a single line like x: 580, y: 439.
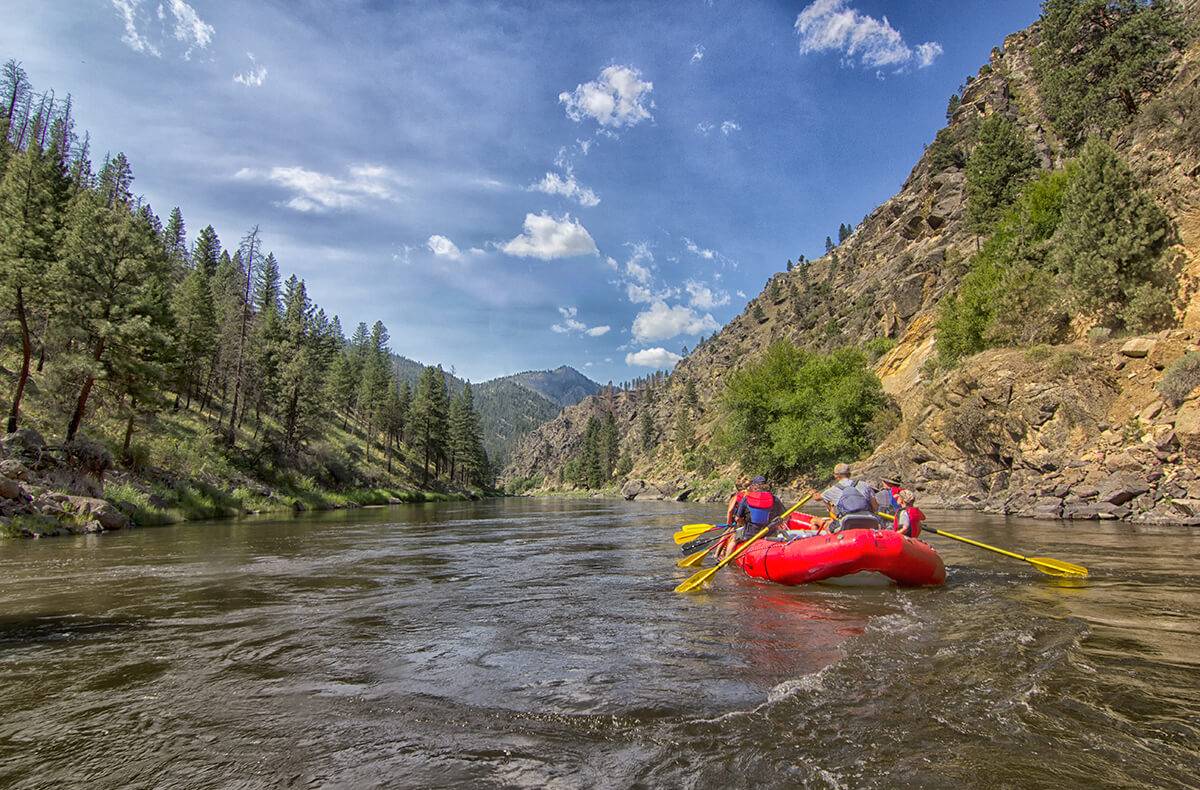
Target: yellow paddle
x: 692, y: 559
x: 699, y: 578
x: 1046, y: 565
x: 691, y: 531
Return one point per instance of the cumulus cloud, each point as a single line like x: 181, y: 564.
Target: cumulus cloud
x: 698, y: 53
x: 832, y: 26
x: 254, y: 76
x: 618, y: 97
x: 547, y: 237
x: 696, y: 249
x: 317, y: 192
x: 729, y: 127
x: 444, y: 248
x: 661, y: 322
x: 638, y: 294
x: 704, y: 127
x: 703, y: 297
x: 568, y: 187
x: 570, y: 323
x: 652, y: 358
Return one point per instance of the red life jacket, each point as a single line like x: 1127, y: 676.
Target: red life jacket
x: 759, y: 505
x: 915, y: 518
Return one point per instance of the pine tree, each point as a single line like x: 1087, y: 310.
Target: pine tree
x: 1001, y: 163
x: 206, y: 254
x: 112, y: 278
x: 195, y: 332
x: 374, y: 382
x: 828, y: 245
x: 790, y: 265
x: 31, y: 215
x: 685, y: 437
x: 844, y: 232
x: 952, y: 106
x: 175, y: 242
x: 757, y: 313
x: 1096, y: 60
x: 1110, y: 242
x: 249, y: 250
x: 647, y: 430
x: 427, y: 417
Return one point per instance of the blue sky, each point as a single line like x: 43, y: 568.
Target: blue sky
x: 514, y: 186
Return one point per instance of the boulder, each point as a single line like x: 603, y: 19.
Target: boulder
x: 14, y: 470
x: 1138, y: 347
x: 81, y: 507
x: 11, y: 489
x: 1187, y: 428
x: 1119, y: 489
x: 632, y: 488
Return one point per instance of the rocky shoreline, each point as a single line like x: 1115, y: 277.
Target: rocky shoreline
x: 48, y: 491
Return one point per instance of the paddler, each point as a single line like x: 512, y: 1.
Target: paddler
x: 851, y: 502
x: 908, y: 517
x: 743, y: 483
x: 885, y: 497
x: 757, y: 508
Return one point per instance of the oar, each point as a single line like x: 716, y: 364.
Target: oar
x: 1047, y: 565
x: 692, y: 559
x: 699, y: 578
x: 690, y: 531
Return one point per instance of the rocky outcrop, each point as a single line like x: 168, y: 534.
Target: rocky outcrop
x: 40, y: 488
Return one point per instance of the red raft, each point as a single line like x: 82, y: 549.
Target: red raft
x: 882, y: 554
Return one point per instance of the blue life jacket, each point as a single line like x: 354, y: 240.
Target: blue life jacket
x: 758, y: 506
x: 885, y: 502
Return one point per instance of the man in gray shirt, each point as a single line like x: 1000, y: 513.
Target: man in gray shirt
x: 850, y: 500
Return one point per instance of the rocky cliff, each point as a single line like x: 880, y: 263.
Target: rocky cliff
x: 891, y: 274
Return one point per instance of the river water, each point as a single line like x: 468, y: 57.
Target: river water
x: 537, y: 643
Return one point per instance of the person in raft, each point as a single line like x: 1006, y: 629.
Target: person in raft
x: 731, y: 507
x: 908, y: 517
x: 851, y: 502
x: 757, y: 508
x: 885, y: 497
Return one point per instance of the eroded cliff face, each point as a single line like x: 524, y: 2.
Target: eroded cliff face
x: 890, y: 275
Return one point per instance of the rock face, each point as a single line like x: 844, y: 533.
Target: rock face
x: 1005, y: 432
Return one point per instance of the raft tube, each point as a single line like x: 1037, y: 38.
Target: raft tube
x: 905, y: 561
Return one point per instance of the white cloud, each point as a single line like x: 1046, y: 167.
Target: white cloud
x: 661, y: 322
x: 611, y: 263
x: 829, y: 25
x: 696, y: 249
x: 570, y: 324
x: 704, y: 127
x: 190, y: 28
x: 652, y: 358
x: 637, y: 267
x: 547, y: 237
x: 618, y: 97
x: 741, y: 294
x: 128, y: 10
x: 638, y: 294
x: 444, y: 248
x: 253, y: 77
x: 554, y: 184
x: 927, y: 53
x: 319, y: 192
x: 698, y: 53
x: 703, y: 297
x: 729, y: 127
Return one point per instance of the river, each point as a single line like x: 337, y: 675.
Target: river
x: 537, y: 643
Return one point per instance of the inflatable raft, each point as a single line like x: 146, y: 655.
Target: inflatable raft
x: 864, y: 553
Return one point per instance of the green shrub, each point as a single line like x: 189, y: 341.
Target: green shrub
x: 876, y: 347
x: 798, y: 411
x: 1181, y: 378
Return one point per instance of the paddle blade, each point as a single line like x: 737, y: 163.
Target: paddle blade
x: 693, y: 559
x: 694, y: 530
x: 697, y: 579
x: 1053, y: 567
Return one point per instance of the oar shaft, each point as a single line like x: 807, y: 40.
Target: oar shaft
x: 946, y: 534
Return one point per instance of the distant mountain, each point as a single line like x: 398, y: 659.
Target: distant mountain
x: 511, y: 406
x: 564, y: 385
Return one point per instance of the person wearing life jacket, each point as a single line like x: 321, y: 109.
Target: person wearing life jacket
x: 851, y: 502
x: 731, y: 506
x: 909, y: 517
x: 756, y: 510
x: 885, y: 497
